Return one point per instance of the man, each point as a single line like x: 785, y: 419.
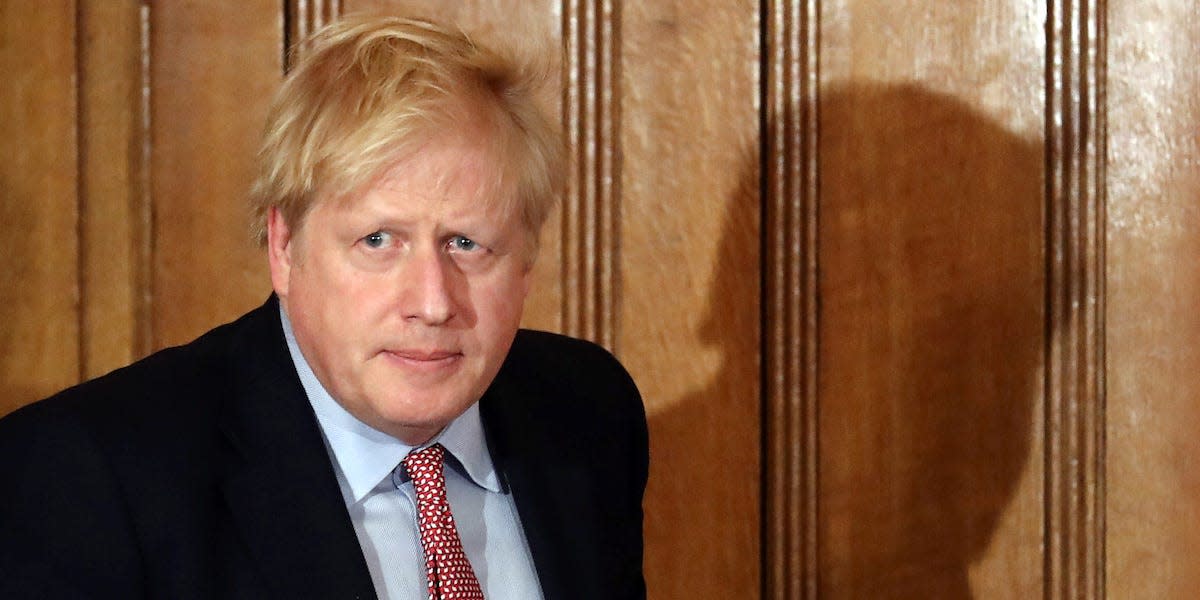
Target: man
x: 309, y: 449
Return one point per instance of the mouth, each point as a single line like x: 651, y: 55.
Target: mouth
x: 422, y: 359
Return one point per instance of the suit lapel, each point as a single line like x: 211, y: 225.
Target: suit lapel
x: 554, y: 512
x: 280, y: 486
x: 555, y: 498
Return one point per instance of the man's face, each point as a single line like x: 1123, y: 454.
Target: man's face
x: 405, y: 298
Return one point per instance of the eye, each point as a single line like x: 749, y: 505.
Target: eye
x: 378, y: 239
x: 460, y: 243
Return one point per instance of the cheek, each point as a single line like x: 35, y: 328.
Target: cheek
x: 492, y: 309
x: 506, y: 304
x: 332, y: 295
x: 330, y: 279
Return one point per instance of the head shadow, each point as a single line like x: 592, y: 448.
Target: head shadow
x: 930, y: 328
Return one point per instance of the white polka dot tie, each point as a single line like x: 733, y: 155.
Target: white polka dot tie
x: 448, y: 570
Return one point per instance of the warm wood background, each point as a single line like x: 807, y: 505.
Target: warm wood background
x: 910, y: 286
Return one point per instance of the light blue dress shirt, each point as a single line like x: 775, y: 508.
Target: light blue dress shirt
x: 382, y: 503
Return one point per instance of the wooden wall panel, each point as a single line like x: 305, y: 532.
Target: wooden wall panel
x: 790, y: 315
x: 302, y: 18
x: 931, y: 288
x: 213, y: 68
x: 114, y: 220
x: 39, y: 286
x: 1074, y: 412
x: 591, y: 101
x: 1153, y: 295
x: 926, y: 217
x: 689, y: 269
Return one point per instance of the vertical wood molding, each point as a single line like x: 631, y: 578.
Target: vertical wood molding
x: 590, y: 206
x: 144, y: 208
x: 790, y: 567
x: 114, y: 207
x: 301, y: 18
x: 1075, y: 425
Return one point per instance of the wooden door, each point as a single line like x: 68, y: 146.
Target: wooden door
x: 908, y: 286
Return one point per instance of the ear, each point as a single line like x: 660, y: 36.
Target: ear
x: 279, y: 251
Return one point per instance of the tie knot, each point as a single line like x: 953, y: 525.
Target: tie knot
x: 425, y: 463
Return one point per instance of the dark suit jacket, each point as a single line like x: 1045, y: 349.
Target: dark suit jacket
x: 200, y: 472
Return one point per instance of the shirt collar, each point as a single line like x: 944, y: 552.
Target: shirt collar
x: 366, y: 455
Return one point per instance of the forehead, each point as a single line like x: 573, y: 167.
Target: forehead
x: 453, y: 171
x: 443, y: 164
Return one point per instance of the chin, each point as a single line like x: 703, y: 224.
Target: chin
x: 435, y: 415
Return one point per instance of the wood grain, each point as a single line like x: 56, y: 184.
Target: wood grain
x: 688, y: 324
x: 932, y: 288
x: 213, y: 68
x: 931, y: 335
x: 1152, y: 480
x: 39, y: 178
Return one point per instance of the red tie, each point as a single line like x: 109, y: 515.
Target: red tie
x: 449, y: 572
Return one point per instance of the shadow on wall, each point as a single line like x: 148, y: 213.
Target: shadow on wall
x: 931, y: 294
x: 931, y: 337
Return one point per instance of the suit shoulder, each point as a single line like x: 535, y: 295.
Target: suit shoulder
x: 165, y: 379
x: 170, y: 368
x: 575, y: 396
x: 572, y: 375
x: 553, y: 350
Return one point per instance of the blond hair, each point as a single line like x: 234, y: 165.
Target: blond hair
x: 370, y: 88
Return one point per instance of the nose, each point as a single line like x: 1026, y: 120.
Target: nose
x: 427, y: 285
